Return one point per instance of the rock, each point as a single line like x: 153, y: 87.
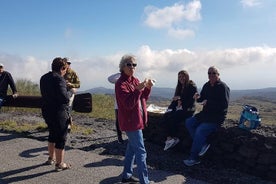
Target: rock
x: 247, y: 151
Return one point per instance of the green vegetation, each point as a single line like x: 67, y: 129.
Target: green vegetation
x: 82, y: 130
x: 103, y: 106
x: 22, y: 127
x: 266, y: 108
x: 26, y: 87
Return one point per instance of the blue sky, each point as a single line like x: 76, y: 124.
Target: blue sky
x: 237, y: 36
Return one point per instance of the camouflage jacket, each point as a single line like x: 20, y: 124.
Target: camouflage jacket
x: 72, y: 78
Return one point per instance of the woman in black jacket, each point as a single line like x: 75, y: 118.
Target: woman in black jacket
x: 181, y: 107
x: 55, y: 111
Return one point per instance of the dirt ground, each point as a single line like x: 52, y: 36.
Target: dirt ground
x: 103, y: 141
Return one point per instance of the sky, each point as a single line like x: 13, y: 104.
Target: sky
x: 166, y: 36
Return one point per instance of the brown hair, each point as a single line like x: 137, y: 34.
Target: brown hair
x: 179, y: 86
x: 59, y: 63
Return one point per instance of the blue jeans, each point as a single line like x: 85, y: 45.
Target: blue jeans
x: 136, y: 150
x: 199, y: 132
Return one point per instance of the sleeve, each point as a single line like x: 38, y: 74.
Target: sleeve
x: 220, y: 100
x: 63, y: 94
x: 126, y: 97
x: 76, y: 80
x: 12, y: 84
x: 113, y: 78
x: 189, y: 102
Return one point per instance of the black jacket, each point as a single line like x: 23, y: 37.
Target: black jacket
x: 54, y: 91
x: 217, y: 97
x: 5, y: 80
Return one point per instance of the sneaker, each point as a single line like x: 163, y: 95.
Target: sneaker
x: 176, y: 141
x: 204, y: 149
x: 171, y: 143
x: 130, y: 180
x: 191, y: 162
x: 168, y: 144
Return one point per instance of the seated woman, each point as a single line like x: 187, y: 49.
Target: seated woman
x: 181, y: 107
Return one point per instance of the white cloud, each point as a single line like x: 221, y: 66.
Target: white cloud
x: 250, y: 3
x: 240, y: 68
x: 173, y: 16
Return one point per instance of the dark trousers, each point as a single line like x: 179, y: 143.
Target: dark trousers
x: 119, y: 132
x: 173, y: 119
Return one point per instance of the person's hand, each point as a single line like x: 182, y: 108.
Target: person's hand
x: 68, y: 84
x: 196, y: 96
x: 15, y: 95
x: 141, y: 85
x: 204, y: 102
x: 149, y: 82
x: 73, y: 90
x: 176, y: 98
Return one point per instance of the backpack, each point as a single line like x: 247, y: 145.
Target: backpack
x: 250, y: 118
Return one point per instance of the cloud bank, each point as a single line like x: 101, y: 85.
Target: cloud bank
x: 240, y: 68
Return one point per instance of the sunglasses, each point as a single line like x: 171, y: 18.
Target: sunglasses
x: 213, y: 73
x: 131, y: 65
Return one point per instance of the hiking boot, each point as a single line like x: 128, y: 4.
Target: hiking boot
x: 190, y: 162
x: 204, y: 149
x: 130, y: 180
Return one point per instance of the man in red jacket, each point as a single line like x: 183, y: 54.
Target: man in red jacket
x: 131, y: 96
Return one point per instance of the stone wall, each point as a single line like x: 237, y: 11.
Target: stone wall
x: 252, y: 152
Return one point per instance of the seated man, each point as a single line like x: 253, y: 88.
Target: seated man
x: 214, y: 98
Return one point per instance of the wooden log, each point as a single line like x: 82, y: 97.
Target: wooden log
x: 82, y: 102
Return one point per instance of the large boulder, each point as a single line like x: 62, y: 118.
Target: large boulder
x: 253, y: 152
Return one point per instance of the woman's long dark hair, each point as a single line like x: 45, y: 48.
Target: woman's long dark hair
x: 179, y: 88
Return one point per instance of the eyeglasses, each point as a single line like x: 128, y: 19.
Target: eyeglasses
x: 131, y: 64
x: 213, y: 73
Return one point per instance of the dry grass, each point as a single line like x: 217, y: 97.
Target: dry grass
x: 103, y: 107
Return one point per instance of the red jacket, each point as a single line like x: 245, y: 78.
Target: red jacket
x: 129, y: 113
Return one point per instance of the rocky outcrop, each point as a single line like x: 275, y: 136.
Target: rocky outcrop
x: 252, y: 152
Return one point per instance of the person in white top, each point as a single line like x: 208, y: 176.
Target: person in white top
x: 113, y: 79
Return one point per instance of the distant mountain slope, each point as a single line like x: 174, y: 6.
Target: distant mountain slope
x: 167, y: 93
x: 268, y: 93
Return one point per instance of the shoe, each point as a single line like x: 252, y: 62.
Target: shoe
x: 191, y: 162
x: 171, y: 143
x: 130, y: 180
x: 204, y: 149
x: 120, y: 140
x: 62, y: 166
x: 50, y: 161
x: 176, y: 141
x: 168, y: 144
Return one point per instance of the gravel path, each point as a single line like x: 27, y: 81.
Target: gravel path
x: 103, y: 141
